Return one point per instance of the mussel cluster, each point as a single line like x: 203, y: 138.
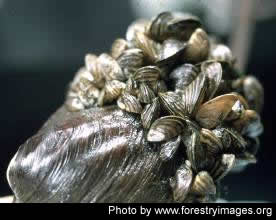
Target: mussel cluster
x: 185, y: 89
x: 162, y: 118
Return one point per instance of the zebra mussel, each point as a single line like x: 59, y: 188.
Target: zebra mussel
x: 183, y: 88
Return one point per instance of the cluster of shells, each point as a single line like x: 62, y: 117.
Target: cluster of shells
x: 183, y: 85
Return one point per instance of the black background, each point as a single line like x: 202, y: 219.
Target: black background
x: 42, y: 44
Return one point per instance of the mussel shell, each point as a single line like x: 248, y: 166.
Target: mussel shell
x: 213, y: 71
x: 150, y: 48
x: 165, y: 128
x: 254, y: 93
x: 197, y: 48
x: 129, y: 103
x: 203, y: 184
x: 171, y: 52
x: 249, y: 124
x: 113, y: 89
x: 131, y: 60
x: 195, y: 152
x: 193, y: 95
x: 213, y: 143
x: 139, y: 25
x: 90, y: 60
x: 146, y: 95
x: 213, y: 112
x: 169, y: 148
x: 109, y: 68
x: 183, y: 75
x: 118, y: 47
x: 97, y: 155
x: 74, y: 104
x: 222, y: 53
x: 147, y: 74
x: 177, y: 25
x: 173, y: 103
x: 222, y: 166
x: 150, y: 113
x: 131, y: 86
x: 181, y: 182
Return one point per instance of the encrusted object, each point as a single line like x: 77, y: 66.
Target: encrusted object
x: 162, y: 118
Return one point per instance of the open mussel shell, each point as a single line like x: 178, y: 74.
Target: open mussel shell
x: 171, y: 52
x: 129, y: 103
x: 110, y: 68
x: 254, y: 93
x: 177, y: 25
x: 97, y: 155
x: 181, y: 182
x: 150, y: 113
x: 169, y: 148
x: 165, y: 128
x: 118, y: 47
x: 249, y: 124
x: 222, y: 166
x: 130, y: 60
x: 203, y: 184
x: 213, y: 112
x: 147, y: 74
x: 183, y: 75
x: 197, y: 48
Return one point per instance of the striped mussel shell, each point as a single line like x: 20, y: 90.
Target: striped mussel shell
x: 203, y: 184
x: 222, y: 166
x: 213, y: 144
x: 112, y: 90
x: 130, y: 60
x: 197, y: 48
x: 146, y: 95
x: 129, y: 103
x: 213, y: 72
x: 150, y: 113
x: 147, y: 74
x: 177, y: 25
x: 169, y: 148
x: 166, y: 128
x: 150, y: 48
x: 181, y: 182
